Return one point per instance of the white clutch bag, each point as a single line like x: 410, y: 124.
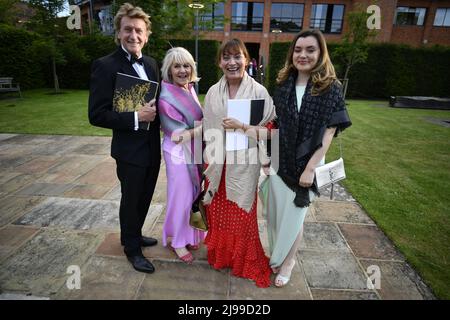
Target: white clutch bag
x: 330, y: 173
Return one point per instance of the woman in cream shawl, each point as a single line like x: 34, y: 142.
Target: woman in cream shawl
x: 232, y: 176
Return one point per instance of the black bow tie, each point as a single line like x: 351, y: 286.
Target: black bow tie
x: 133, y: 59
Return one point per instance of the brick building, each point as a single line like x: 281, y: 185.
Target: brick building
x: 259, y: 23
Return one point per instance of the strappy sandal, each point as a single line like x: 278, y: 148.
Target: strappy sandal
x: 187, y: 258
x: 281, y: 281
x: 193, y: 247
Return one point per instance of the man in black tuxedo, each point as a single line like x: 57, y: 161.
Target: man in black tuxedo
x: 137, y: 152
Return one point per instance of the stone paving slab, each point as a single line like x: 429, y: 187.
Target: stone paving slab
x: 27, y: 151
x: 339, y: 211
x: 17, y: 182
x: 88, y: 191
x: 116, y: 281
x: 160, y: 194
x: 369, y: 242
x: 15, y: 296
x: 296, y: 289
x: 7, y: 175
x: 93, y: 140
x: 5, y: 148
x: 310, y: 216
x: 76, y: 164
x: 176, y: 280
x: 38, y: 165
x: 93, y: 148
x: 57, y: 145
x: 333, y: 270
x: 5, y: 136
x: 45, y: 189
x: 34, y: 262
x: 321, y: 294
x: 339, y: 193
x: 12, y: 161
x: 28, y: 139
x: 103, y: 174
x: 399, y: 281
x: 323, y: 237
x: 114, y: 194
x: 12, y: 207
x: 74, y: 214
x: 12, y: 237
x: 110, y: 246
x: 154, y: 212
x: 157, y: 230
x: 39, y: 267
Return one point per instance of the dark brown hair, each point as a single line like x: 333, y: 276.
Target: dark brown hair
x: 322, y: 75
x: 232, y: 46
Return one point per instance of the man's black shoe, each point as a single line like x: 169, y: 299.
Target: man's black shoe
x: 141, y: 264
x: 148, y: 242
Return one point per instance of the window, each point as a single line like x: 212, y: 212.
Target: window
x: 328, y: 18
x: 247, y: 16
x: 213, y: 18
x: 287, y: 17
x: 407, y: 16
x: 105, y: 19
x: 442, y: 17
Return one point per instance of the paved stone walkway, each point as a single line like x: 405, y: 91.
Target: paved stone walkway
x: 59, y: 198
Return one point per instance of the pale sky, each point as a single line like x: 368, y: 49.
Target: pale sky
x: 64, y: 13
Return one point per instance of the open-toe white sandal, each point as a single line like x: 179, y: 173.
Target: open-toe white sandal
x: 281, y: 281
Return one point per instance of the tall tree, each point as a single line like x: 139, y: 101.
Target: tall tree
x: 354, y: 46
x: 8, y: 11
x: 169, y: 18
x: 45, y: 22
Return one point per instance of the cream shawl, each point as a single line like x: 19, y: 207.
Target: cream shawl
x: 241, y: 177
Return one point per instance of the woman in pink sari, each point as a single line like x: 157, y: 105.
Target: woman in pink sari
x: 180, y: 111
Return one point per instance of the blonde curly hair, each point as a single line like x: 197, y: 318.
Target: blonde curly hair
x: 128, y: 10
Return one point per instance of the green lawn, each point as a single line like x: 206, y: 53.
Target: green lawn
x: 41, y: 112
x: 398, y: 168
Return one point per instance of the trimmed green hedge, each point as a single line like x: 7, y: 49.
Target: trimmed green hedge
x: 18, y: 59
x: 25, y: 58
x: 390, y: 70
x: 80, y: 52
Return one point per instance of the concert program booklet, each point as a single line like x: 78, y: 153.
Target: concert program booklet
x: 131, y: 93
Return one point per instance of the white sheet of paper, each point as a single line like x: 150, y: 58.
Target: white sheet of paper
x: 240, y: 110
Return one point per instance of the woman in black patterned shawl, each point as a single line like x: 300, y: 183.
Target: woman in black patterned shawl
x: 310, y: 112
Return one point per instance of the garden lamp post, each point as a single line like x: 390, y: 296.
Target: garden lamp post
x: 196, y: 6
x: 277, y: 32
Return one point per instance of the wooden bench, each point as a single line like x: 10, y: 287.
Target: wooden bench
x: 7, y: 85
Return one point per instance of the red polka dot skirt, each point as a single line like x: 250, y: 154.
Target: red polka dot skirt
x: 233, y: 239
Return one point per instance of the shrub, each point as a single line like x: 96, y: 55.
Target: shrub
x: 389, y: 70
